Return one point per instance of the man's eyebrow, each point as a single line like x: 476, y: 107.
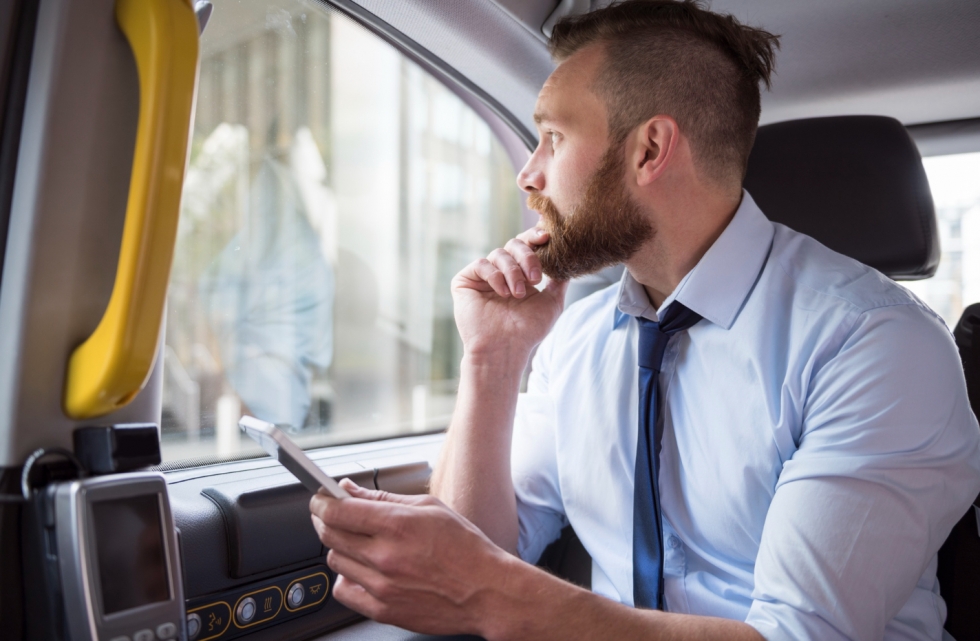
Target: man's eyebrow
x: 540, y: 117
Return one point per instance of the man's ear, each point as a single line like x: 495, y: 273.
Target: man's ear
x: 654, y: 143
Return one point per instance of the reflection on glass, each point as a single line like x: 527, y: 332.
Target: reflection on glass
x: 955, y: 185
x: 334, y: 189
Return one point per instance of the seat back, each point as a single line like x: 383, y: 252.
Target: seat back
x: 959, y: 558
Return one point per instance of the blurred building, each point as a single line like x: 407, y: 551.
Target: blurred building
x: 316, y: 142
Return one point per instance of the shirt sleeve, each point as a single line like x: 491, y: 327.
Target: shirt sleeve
x: 534, y: 463
x: 887, y: 463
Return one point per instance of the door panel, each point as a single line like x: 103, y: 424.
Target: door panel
x: 68, y: 203
x: 246, y: 525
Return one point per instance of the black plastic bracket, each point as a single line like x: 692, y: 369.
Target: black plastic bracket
x: 117, y: 448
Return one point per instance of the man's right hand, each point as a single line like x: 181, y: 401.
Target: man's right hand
x: 497, y: 308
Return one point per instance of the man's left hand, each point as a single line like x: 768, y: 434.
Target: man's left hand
x: 409, y: 560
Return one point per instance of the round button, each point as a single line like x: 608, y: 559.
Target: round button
x: 295, y: 595
x: 673, y: 542
x: 193, y: 625
x: 166, y: 631
x: 245, y: 611
x: 143, y: 635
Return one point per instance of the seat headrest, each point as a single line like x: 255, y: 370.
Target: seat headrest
x: 855, y: 183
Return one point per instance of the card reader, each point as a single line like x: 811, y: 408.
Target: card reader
x: 110, y: 558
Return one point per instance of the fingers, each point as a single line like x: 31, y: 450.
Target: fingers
x: 514, y: 275
x: 357, y: 571
x: 357, y: 515
x: 534, y: 236
x: 353, y: 545
x: 507, y: 271
x: 355, y: 597
x: 488, y: 272
x: 380, y: 495
x: 525, y: 256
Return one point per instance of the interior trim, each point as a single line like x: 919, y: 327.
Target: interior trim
x: 946, y: 138
x: 432, y: 63
x: 204, y: 461
x: 15, y: 68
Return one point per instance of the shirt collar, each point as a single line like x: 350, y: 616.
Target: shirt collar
x: 721, y: 281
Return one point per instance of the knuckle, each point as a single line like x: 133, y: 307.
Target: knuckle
x: 386, y: 562
x: 384, y: 589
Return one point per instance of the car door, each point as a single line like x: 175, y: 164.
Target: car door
x: 338, y: 175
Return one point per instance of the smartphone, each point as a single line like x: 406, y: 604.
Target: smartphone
x: 280, y: 447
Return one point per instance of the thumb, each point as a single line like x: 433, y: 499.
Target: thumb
x: 556, y: 289
x: 359, y: 492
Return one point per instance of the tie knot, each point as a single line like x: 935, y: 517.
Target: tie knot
x: 654, y: 336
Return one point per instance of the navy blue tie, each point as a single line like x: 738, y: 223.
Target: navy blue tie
x: 648, y: 558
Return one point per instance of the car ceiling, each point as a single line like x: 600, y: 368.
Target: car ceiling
x: 915, y: 60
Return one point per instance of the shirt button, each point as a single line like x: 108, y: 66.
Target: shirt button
x: 673, y: 542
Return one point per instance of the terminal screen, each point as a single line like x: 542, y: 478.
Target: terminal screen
x: 131, y: 560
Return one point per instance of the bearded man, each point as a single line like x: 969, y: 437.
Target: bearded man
x: 753, y: 436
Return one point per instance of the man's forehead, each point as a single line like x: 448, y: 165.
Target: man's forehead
x: 567, y: 93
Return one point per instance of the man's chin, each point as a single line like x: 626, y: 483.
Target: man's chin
x: 566, y: 270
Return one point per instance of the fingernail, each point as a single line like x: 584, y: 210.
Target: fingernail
x: 539, y: 232
x: 519, y: 289
x: 535, y: 274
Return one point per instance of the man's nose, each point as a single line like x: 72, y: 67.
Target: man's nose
x: 531, y: 178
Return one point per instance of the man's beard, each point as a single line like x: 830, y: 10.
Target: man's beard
x: 608, y: 227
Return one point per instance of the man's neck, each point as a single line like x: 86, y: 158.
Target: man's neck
x: 684, y: 233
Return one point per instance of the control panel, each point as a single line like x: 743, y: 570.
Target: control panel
x: 231, y: 614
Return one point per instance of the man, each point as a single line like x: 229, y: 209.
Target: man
x: 753, y: 436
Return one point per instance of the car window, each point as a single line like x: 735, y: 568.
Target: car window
x: 955, y: 184
x: 334, y: 188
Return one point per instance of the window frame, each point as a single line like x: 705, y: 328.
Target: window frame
x: 512, y: 134
x: 517, y: 141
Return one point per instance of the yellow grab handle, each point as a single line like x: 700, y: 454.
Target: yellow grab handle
x: 112, y: 365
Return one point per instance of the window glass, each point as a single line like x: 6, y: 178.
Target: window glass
x: 333, y: 190
x: 955, y: 185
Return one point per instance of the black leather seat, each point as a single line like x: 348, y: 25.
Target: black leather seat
x: 856, y: 184
x: 959, y: 558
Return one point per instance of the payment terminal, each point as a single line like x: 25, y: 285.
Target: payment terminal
x: 110, y: 558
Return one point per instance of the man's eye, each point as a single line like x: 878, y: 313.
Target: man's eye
x: 554, y: 139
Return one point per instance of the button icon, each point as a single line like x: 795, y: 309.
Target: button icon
x: 295, y: 595
x: 214, y: 622
x: 166, y: 631
x: 258, y: 606
x: 245, y: 611
x: 211, y: 620
x: 143, y: 635
x: 194, y: 625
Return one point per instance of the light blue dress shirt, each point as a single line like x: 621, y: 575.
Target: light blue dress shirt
x: 818, y: 442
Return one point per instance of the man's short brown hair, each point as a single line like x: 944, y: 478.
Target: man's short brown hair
x: 676, y: 58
